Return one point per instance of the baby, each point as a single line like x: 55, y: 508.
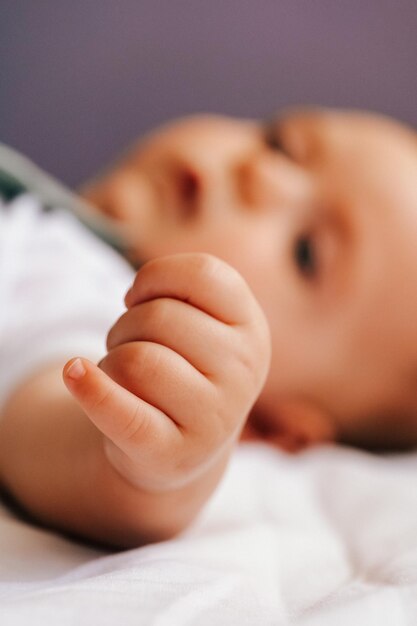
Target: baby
x: 317, y: 212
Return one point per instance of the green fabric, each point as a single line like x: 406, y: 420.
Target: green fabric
x: 10, y: 187
x: 19, y: 175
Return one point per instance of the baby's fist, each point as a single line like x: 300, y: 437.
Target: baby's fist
x: 185, y: 364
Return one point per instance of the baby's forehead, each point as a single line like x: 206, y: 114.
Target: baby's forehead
x: 357, y: 125
x: 358, y: 136
x: 377, y: 156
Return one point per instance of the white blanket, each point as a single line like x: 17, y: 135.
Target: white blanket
x: 328, y: 537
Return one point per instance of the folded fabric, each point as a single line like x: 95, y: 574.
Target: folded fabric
x: 322, y: 538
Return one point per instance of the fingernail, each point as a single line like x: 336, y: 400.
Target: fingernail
x: 76, y: 370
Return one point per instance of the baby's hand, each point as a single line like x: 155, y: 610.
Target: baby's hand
x: 185, y: 364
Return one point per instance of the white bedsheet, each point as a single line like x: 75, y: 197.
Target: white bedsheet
x: 328, y: 537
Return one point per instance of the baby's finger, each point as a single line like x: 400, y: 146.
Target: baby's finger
x: 128, y: 421
x: 206, y: 343
x: 167, y: 381
x: 203, y: 280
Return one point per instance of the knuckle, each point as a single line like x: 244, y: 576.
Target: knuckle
x: 155, y: 266
x: 136, y: 427
x: 100, y: 400
x: 249, y: 356
x: 132, y: 363
x: 245, y: 368
x: 112, y: 334
x: 145, y: 274
x: 206, y: 264
x: 228, y: 278
x: 143, y: 359
x: 157, y: 312
x: 212, y: 427
x: 147, y: 361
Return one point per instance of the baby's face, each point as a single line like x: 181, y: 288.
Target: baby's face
x: 319, y: 214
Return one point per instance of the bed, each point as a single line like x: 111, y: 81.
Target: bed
x: 325, y: 537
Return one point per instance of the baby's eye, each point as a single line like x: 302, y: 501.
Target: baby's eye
x: 305, y: 256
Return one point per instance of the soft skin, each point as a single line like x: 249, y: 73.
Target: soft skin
x: 166, y: 405
x: 292, y: 246
x: 318, y: 212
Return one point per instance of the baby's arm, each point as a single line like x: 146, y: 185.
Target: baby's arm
x: 185, y: 364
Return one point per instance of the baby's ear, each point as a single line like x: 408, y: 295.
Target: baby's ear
x: 295, y: 425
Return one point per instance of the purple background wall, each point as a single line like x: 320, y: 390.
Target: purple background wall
x: 81, y: 78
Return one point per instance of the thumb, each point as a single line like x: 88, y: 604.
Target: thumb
x: 120, y: 415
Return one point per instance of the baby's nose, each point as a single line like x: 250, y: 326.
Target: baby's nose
x: 201, y: 158
x: 201, y: 182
